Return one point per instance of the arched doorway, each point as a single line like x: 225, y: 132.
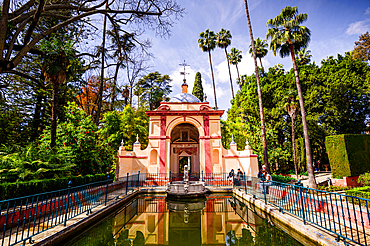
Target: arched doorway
x: 185, y: 149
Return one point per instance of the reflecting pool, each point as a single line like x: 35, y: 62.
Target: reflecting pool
x: 214, y: 220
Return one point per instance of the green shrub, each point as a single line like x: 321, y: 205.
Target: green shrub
x: 333, y: 188
x: 26, y: 188
x: 349, y: 154
x: 364, y: 179
x: 363, y: 192
x: 281, y: 178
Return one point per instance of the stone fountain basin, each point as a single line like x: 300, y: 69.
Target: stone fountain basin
x: 195, y: 189
x: 190, y: 205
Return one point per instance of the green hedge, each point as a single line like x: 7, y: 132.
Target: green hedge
x: 19, y: 189
x: 281, y: 178
x: 349, y: 154
x: 363, y: 192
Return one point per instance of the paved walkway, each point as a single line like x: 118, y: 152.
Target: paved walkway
x: 320, y: 177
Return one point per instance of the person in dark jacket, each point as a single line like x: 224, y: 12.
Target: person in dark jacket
x: 260, y: 172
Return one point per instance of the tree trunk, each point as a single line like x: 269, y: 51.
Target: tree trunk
x: 114, y: 86
x: 311, y: 175
x: 213, y: 79
x: 36, y: 117
x: 240, y: 82
x: 101, y: 86
x: 263, y: 132
x: 293, y: 145
x: 261, y: 63
x: 54, y: 115
x: 231, y: 81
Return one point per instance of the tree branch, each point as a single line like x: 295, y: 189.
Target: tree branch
x: 26, y: 76
x: 3, y: 25
x: 35, y: 19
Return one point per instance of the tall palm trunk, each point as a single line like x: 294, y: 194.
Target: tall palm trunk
x: 231, y: 81
x: 240, y: 82
x: 261, y: 62
x: 263, y: 132
x: 54, y: 115
x: 311, y: 175
x: 213, y: 79
x: 293, y: 146
x: 101, y: 86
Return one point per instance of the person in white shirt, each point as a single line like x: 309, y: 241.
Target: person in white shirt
x: 265, y: 181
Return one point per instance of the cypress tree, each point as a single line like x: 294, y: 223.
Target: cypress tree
x: 198, y: 88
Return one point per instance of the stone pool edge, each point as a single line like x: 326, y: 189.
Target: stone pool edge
x: 309, y: 233
x: 59, y: 234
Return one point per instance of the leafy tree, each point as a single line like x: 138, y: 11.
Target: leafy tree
x: 24, y: 22
x: 287, y: 36
x: 261, y: 51
x: 223, y: 40
x: 78, y: 136
x: 60, y: 65
x: 262, y: 116
x: 362, y: 47
x: 235, y: 57
x: 153, y: 87
x: 207, y: 42
x: 122, y: 127
x: 198, y: 88
x: 303, y: 56
x: 244, y: 119
x: 88, y: 96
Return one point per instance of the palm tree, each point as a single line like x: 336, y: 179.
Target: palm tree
x: 207, y: 42
x: 261, y: 51
x: 60, y: 64
x: 288, y: 37
x: 235, y: 56
x: 292, y: 108
x: 262, y: 115
x: 303, y: 56
x: 223, y: 40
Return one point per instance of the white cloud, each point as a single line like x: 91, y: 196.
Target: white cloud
x: 358, y: 27
x: 367, y: 11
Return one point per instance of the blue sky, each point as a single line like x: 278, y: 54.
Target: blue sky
x: 335, y: 25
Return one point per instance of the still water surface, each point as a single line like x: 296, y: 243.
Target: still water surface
x: 155, y: 220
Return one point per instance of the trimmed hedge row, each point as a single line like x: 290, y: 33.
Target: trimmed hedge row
x: 282, y: 179
x: 349, y: 154
x: 363, y: 192
x: 19, y: 189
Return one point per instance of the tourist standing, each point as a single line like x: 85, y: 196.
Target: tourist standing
x: 266, y: 181
x: 261, y: 170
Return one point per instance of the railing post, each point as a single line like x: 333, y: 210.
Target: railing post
x: 138, y: 179
x: 233, y: 180
x: 170, y: 177
x: 299, y: 184
x: 69, y: 192
x: 264, y: 186
x: 106, y: 191
x: 126, y: 183
x: 202, y: 176
x: 245, y: 184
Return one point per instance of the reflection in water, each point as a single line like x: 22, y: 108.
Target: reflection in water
x: 215, y: 220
